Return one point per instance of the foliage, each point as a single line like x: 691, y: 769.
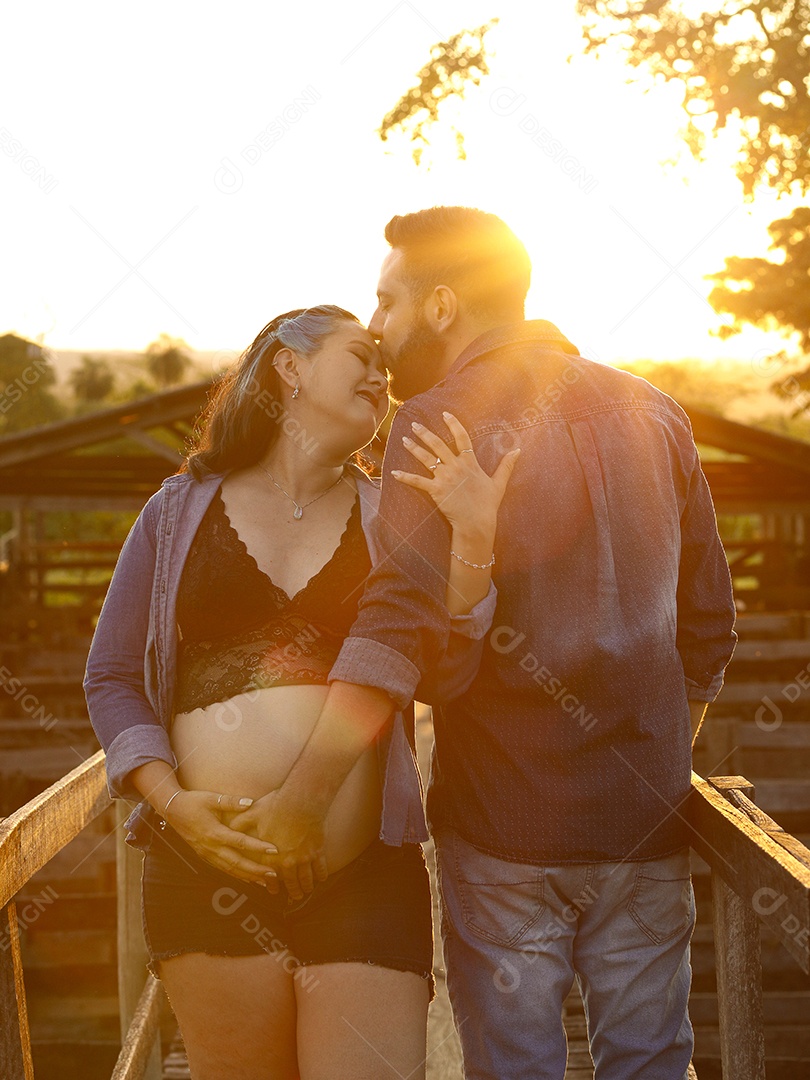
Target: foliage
x: 794, y: 388
x: 26, y: 386
x: 454, y: 65
x: 702, y: 385
x: 734, y: 389
x: 744, y: 66
x: 770, y: 294
x: 167, y: 360
x: 94, y: 380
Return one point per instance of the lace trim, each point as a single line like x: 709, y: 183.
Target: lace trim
x: 225, y: 594
x: 333, y: 559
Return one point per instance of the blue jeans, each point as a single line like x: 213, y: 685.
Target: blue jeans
x: 516, y: 936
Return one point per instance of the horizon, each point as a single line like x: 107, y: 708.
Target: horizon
x: 149, y: 208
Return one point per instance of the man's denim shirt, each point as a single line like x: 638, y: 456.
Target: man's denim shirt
x: 615, y: 608
x: 131, y: 667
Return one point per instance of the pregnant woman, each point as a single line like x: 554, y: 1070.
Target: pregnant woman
x: 207, y: 673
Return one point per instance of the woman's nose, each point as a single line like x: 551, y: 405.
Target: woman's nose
x: 380, y: 380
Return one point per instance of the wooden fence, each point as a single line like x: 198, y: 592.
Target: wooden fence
x: 759, y: 874
x: 29, y: 838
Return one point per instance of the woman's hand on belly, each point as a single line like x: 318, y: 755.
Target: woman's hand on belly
x: 249, y: 744
x: 197, y: 817
x: 267, y: 819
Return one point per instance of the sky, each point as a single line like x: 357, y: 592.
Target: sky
x: 197, y: 168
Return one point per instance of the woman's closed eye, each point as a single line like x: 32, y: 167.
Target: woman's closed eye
x: 374, y: 366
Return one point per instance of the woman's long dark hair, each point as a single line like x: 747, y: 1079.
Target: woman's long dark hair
x: 243, y: 415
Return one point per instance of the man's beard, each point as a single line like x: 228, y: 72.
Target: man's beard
x: 417, y: 364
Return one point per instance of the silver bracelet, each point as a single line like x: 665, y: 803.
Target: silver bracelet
x: 169, y: 803
x: 475, y: 565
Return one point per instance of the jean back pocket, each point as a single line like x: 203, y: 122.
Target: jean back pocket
x: 500, y: 900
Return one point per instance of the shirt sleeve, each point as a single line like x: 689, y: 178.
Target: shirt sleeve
x: 123, y: 719
x: 705, y: 634
x: 454, y: 673
x: 403, y: 625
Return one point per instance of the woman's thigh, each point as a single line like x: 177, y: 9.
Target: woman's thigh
x: 237, y: 1015
x: 362, y: 1021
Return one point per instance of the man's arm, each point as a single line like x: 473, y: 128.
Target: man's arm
x: 706, y: 613
x: 705, y: 632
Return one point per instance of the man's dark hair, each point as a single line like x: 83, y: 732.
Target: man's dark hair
x: 474, y: 253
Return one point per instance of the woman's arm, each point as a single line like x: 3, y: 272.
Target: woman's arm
x: 469, y: 499
x: 471, y: 562
x: 199, y: 818
x: 140, y: 760
x: 121, y: 714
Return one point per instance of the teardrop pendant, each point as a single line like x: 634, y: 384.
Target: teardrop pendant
x: 298, y: 513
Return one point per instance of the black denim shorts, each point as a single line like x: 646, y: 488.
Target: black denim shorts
x: 374, y: 910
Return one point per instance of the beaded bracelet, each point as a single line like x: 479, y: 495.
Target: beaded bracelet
x: 475, y: 565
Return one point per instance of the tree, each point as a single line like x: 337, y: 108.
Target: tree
x: 770, y: 294
x: 94, y: 380
x: 745, y: 67
x: 167, y: 360
x: 26, y: 382
x: 699, y: 384
x: 454, y: 65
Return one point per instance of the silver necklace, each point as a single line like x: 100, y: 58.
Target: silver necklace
x: 298, y: 513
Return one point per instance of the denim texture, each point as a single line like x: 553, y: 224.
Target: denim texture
x: 131, y: 666
x: 374, y: 910
x: 516, y: 936
x: 614, y: 610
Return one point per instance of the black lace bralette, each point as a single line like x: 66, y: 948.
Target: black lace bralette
x: 240, y: 632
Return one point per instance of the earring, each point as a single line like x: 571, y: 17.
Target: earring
x: 296, y: 391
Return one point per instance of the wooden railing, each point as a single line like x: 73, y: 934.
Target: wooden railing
x: 29, y: 839
x: 759, y: 874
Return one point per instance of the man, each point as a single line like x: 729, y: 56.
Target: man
x: 559, y: 777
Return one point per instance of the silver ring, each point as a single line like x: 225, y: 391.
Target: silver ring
x: 435, y: 464
x: 466, y: 452
x: 219, y: 800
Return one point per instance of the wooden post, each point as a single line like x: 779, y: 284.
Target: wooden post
x: 135, y: 1060
x: 25, y: 550
x: 132, y: 954
x: 15, y: 1040
x: 739, y: 983
x: 739, y: 970
x: 718, y: 743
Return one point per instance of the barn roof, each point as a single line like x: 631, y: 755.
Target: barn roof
x: 119, y: 456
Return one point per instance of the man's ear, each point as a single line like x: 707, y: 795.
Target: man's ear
x: 286, y: 364
x: 442, y: 308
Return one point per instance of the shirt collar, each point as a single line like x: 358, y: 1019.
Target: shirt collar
x: 538, y: 331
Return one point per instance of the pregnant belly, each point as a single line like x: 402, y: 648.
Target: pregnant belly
x: 247, y: 745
